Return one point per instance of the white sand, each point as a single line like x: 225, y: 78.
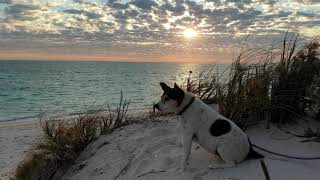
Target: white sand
x: 16, y: 138
x: 151, y: 151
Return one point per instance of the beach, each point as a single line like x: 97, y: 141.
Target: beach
x: 151, y: 150
x: 16, y: 139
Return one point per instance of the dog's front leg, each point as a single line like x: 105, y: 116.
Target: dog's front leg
x: 187, y: 142
x: 180, y: 130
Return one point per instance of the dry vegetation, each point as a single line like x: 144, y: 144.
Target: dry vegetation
x: 313, y: 98
x: 64, y: 139
x: 263, y: 84
x: 294, y: 75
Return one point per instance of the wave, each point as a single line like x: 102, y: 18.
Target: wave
x: 18, y: 118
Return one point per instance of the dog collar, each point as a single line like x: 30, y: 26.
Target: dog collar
x: 186, y: 107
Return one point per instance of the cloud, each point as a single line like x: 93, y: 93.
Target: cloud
x: 24, y: 12
x: 177, y: 9
x: 150, y: 27
x: 90, y: 15
x: 5, y: 1
x: 307, y: 2
x: 20, y: 8
x: 115, y: 5
x: 144, y: 4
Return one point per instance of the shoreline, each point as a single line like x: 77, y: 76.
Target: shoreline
x: 23, y: 118
x: 70, y: 115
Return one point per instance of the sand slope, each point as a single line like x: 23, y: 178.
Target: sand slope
x: 151, y: 151
x: 16, y: 138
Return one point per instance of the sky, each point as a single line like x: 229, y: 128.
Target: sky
x: 148, y: 30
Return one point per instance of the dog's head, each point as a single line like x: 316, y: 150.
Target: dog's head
x: 171, y: 98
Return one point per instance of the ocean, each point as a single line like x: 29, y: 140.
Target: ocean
x: 28, y: 88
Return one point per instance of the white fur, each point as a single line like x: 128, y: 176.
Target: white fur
x: 197, y: 119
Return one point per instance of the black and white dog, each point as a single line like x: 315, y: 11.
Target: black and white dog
x: 201, y: 123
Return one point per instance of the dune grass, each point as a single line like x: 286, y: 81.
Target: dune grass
x: 294, y: 76
x: 60, y: 145
x: 262, y: 84
x: 64, y: 139
x: 313, y: 98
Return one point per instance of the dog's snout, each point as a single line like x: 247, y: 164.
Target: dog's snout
x: 156, y: 106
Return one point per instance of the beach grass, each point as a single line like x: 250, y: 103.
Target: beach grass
x: 64, y: 139
x: 263, y: 84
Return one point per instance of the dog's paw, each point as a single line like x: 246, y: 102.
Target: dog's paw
x: 182, y: 167
x: 181, y: 170
x: 214, y: 166
x: 221, y: 166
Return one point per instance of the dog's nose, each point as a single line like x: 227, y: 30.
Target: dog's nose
x: 156, y: 106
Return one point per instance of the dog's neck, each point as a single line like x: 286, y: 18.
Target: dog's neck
x: 187, y: 101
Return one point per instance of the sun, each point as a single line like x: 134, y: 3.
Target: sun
x: 189, y: 33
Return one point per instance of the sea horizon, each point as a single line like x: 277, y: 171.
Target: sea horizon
x: 28, y: 88
x: 118, y: 61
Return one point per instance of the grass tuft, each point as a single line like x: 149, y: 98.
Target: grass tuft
x: 115, y: 118
x: 294, y: 76
x: 64, y: 139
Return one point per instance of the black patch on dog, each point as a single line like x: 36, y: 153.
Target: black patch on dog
x: 220, y: 127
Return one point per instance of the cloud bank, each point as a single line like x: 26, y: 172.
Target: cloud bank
x: 150, y: 28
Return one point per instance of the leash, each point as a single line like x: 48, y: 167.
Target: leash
x: 284, y: 155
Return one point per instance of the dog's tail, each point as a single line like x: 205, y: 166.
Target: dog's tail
x: 253, y: 154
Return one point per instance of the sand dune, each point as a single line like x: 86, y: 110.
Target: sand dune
x: 151, y: 151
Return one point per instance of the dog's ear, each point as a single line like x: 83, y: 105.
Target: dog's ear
x: 165, y: 87
x: 179, y: 93
x: 176, y: 87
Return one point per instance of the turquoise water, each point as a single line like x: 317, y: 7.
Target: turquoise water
x: 30, y: 87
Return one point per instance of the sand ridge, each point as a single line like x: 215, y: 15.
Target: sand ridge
x: 151, y: 151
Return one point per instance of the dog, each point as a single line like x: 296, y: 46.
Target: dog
x: 201, y: 123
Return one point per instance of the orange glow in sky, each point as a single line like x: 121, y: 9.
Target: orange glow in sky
x: 18, y: 55
x: 143, y: 30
